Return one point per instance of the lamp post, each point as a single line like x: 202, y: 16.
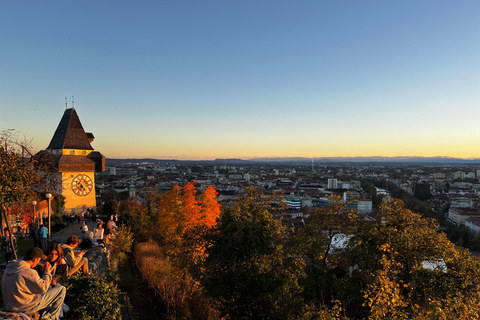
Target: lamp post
x: 49, y: 198
x: 34, y: 204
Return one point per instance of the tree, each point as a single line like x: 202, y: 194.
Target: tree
x: 182, y: 218
x: 413, y: 244
x: 245, y: 268
x: 398, y: 267
x: 316, y: 244
x: 135, y: 215
x: 19, y: 173
x: 111, y: 207
x: 175, y: 222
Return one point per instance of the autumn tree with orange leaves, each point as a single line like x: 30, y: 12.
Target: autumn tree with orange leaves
x: 180, y: 217
x: 174, y: 224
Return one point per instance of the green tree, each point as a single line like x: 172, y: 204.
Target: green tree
x: 121, y: 245
x: 19, y: 172
x: 92, y: 298
x: 111, y: 207
x: 412, y: 242
x: 325, y: 275
x: 136, y: 216
x: 245, y: 269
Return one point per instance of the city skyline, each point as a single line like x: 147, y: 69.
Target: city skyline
x: 229, y: 79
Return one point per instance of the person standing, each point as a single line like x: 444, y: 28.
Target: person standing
x: 6, y: 245
x: 32, y: 233
x: 43, y: 234
x: 24, y: 291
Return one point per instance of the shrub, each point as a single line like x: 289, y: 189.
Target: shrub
x: 121, y: 244
x: 92, y: 299
x: 182, y: 294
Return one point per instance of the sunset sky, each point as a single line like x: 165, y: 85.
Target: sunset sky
x: 246, y: 78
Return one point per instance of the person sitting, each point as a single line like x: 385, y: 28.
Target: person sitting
x: 84, y: 227
x: 75, y: 260
x: 24, y: 291
x: 87, y: 235
x: 55, y: 258
x: 107, y: 232
x: 87, y: 240
x: 98, y: 233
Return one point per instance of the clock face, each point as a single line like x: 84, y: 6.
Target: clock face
x: 82, y: 185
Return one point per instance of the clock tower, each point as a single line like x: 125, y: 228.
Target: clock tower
x: 76, y: 163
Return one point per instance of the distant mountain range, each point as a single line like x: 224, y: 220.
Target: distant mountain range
x: 372, y: 159
x: 303, y: 160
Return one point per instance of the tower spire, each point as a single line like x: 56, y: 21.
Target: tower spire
x: 73, y: 103
x: 66, y: 106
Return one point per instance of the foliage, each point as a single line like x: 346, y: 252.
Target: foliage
x: 135, y: 216
x: 182, y: 220
x: 178, y: 290
x: 384, y: 294
x: 323, y: 312
x: 58, y: 203
x: 314, y: 242
x: 92, y: 298
x: 396, y: 192
x: 121, y: 244
x: 391, y: 256
x: 245, y: 269
x: 323, y: 273
x: 381, y: 274
x: 57, y: 227
x: 177, y: 221
x: 251, y: 269
x: 111, y: 207
x: 19, y: 172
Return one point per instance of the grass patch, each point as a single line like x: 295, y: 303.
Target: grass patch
x: 23, y: 246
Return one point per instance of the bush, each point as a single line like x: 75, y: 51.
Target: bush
x: 92, y: 299
x: 181, y: 293
x: 121, y: 244
x: 57, y: 227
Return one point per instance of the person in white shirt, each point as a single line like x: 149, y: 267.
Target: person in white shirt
x: 98, y: 233
x: 84, y: 227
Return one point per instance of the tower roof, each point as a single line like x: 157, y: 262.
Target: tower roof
x: 70, y: 133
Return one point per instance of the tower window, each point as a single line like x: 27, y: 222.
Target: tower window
x: 72, y: 152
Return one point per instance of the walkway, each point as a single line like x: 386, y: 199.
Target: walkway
x: 72, y: 229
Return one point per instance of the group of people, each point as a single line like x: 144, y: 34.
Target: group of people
x: 100, y: 234
x: 39, y: 235
x: 6, y: 244
x: 34, y: 284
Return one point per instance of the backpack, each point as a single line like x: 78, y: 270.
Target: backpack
x: 85, y: 244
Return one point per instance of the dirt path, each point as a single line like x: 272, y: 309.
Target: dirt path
x: 145, y: 305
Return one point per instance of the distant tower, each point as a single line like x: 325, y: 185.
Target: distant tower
x: 76, y: 162
x: 131, y: 190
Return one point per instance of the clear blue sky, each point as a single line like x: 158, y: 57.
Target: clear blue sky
x: 231, y: 78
